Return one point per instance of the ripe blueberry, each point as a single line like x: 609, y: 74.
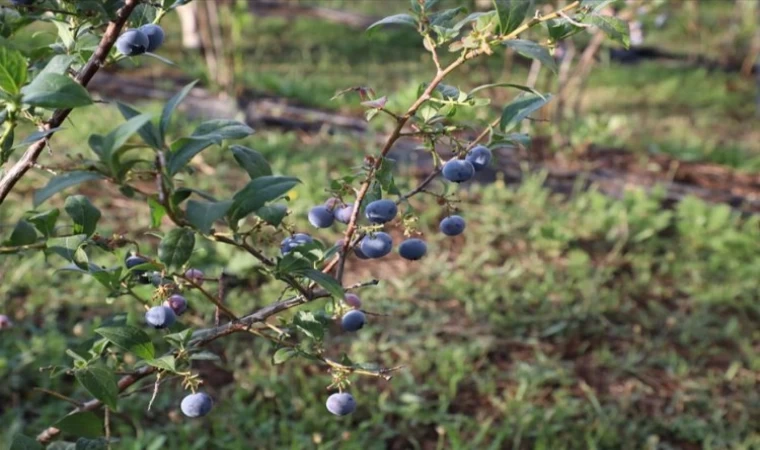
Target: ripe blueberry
x: 412, y: 249
x: 359, y: 253
x: 452, y: 225
x: 132, y: 43
x: 352, y: 300
x: 377, y: 245
x: 343, y: 213
x: 196, y: 275
x: 332, y: 203
x: 155, y: 36
x: 479, y: 157
x: 176, y: 303
x: 160, y: 317
x: 458, y: 170
x: 321, y: 217
x: 196, y: 405
x: 21, y: 2
x: 291, y: 242
x: 341, y: 403
x: 5, y: 322
x: 353, y: 320
x: 381, y: 211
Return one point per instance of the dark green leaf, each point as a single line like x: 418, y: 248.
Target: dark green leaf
x: 185, y: 148
x: 533, y: 50
x: 23, y: 234
x: 227, y: 129
x: 45, y: 222
x: 166, y: 362
x: 251, y: 161
x: 61, y: 445
x: 63, y: 181
x: 91, y: 444
x: 171, y: 105
x: 308, y: 324
x: 176, y: 247
x: 120, y: 135
x: 444, y: 17
x: 202, y: 215
x: 147, y: 132
x: 81, y: 424
x: 179, y: 339
x: 329, y: 283
x: 21, y: 442
x: 398, y: 19
x: 100, y: 383
x: 273, y: 214
x: 469, y: 19
x: 616, y: 29
x: 129, y: 338
x: 258, y: 192
x: 51, y: 90
x: 12, y: 70
x: 36, y: 136
x: 84, y: 214
x: 59, y: 64
x: 520, y: 108
x: 385, y: 177
x: 67, y: 247
x: 512, y: 13
x: 283, y: 354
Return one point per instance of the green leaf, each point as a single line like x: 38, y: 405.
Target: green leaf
x: 36, y: 136
x: 63, y: 181
x: 59, y: 64
x: 12, y: 70
x: 157, y: 212
x: 469, y: 19
x: 21, y: 442
x: 81, y: 424
x: 147, y: 132
x: 184, y: 149
x: 520, y: 108
x: 329, y: 283
x: 616, y: 29
x: 251, y: 161
x: 202, y: 215
x: 120, y: 135
x: 513, y: 85
x: 68, y: 247
x: 273, y: 214
x: 84, y: 214
x: 512, y: 13
x: 179, y: 339
x: 176, y: 247
x: 61, y: 445
x: 100, y: 383
x: 166, y: 362
x: 51, y: 90
x: 171, y: 105
x: 385, y: 177
x: 398, y: 19
x: 283, y: 354
x: 225, y: 128
x: 45, y: 221
x: 91, y: 444
x: 129, y: 338
x: 309, y: 325
x: 533, y: 50
x: 23, y: 234
x: 258, y: 192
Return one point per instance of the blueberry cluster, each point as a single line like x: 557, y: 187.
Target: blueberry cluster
x: 136, y: 41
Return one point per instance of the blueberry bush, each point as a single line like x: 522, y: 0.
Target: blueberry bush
x: 41, y: 86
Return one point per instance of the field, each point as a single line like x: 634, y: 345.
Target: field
x: 555, y: 322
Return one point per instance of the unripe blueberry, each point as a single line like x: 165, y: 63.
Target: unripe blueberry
x: 412, y: 249
x: 479, y: 157
x: 353, y: 320
x: 341, y: 403
x: 196, y: 405
x: 321, y: 217
x: 352, y: 300
x: 196, y: 275
x: 132, y: 43
x: 343, y: 213
x: 177, y: 303
x: 377, y: 245
x: 160, y: 317
x: 5, y: 322
x: 155, y: 36
x: 458, y: 170
x: 291, y: 242
x: 381, y: 211
x: 452, y: 225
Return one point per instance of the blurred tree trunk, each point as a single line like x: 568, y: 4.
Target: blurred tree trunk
x: 188, y: 17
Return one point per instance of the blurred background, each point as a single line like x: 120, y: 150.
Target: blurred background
x: 606, y: 293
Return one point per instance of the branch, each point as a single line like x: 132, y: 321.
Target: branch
x: 97, y: 60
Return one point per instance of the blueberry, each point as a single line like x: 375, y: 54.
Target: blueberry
x: 458, y: 170
x: 5, y: 322
x: 133, y: 261
x: 343, y: 213
x: 21, y: 2
x: 132, y: 43
x: 377, y: 245
x: 452, y: 225
x: 157, y: 280
x: 353, y: 320
x: 352, y: 300
x: 332, y: 203
x: 291, y: 242
x: 412, y: 249
x: 321, y: 217
x: 155, y: 36
x: 359, y: 253
x: 160, y: 317
x: 176, y: 303
x: 381, y: 211
x: 196, y: 405
x: 341, y: 404
x: 479, y: 157
x: 196, y: 275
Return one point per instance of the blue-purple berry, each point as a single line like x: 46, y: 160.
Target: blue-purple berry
x: 479, y: 157
x: 381, y: 211
x: 132, y: 43
x: 412, y: 249
x: 291, y: 242
x: 321, y: 217
x: 343, y: 213
x: 160, y: 317
x: 452, y: 225
x: 353, y: 321
x: 155, y: 36
x: 376, y: 245
x: 458, y: 170
x: 341, y: 404
x: 177, y: 303
x: 196, y: 405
